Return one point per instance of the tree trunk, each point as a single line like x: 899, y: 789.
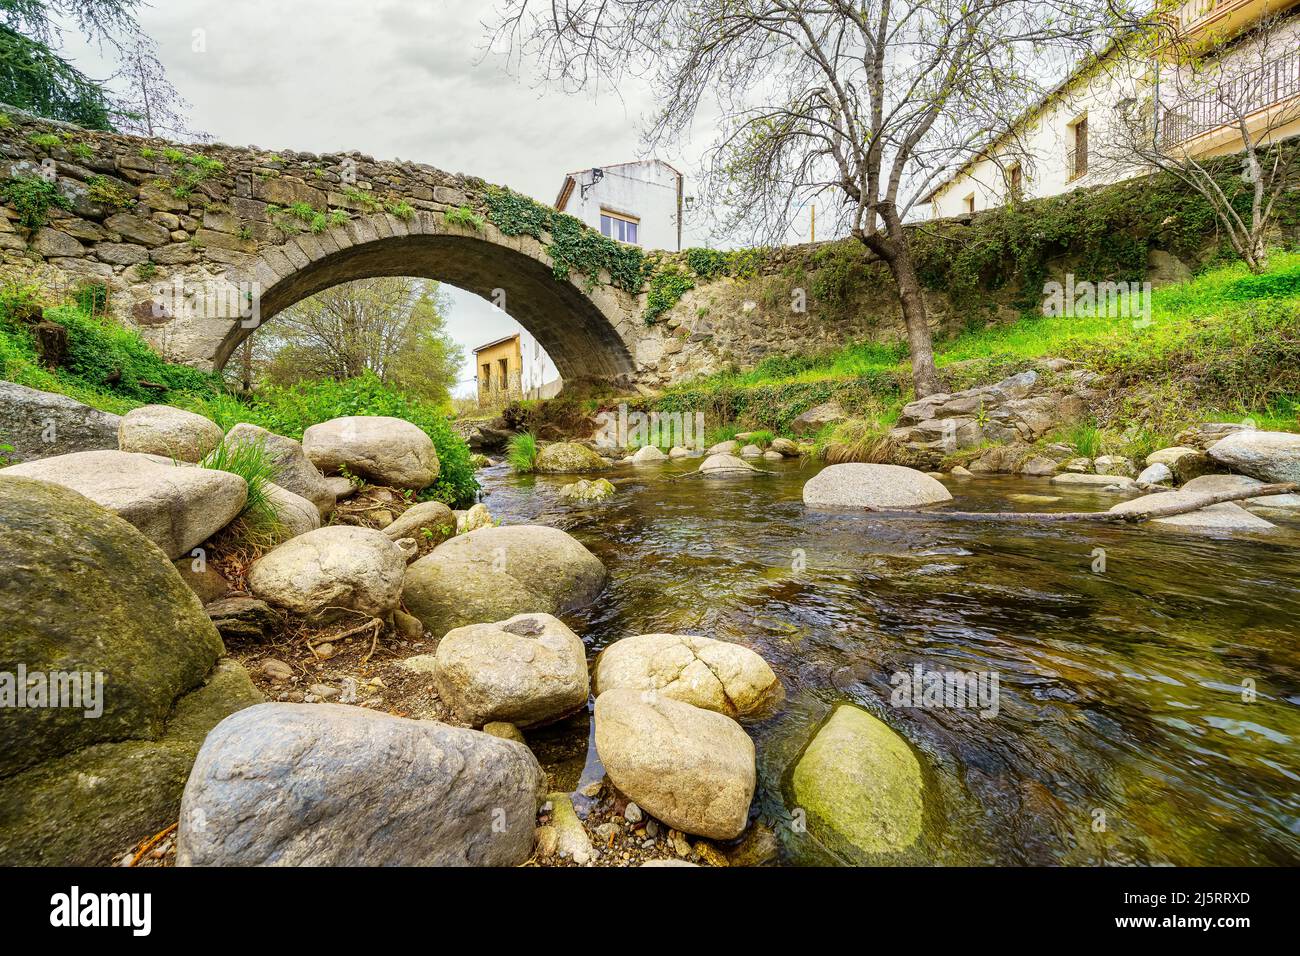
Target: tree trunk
x: 894, y: 251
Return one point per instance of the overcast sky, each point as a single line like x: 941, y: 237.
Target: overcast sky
x: 395, y: 79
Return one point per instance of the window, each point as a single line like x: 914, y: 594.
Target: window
x: 1015, y: 182
x: 1078, y: 149
x: 617, y: 225
x: 970, y: 203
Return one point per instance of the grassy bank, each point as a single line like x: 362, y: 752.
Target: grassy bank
x: 1224, y: 345
x: 111, y: 368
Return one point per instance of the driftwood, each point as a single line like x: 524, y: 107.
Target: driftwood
x: 1157, y: 510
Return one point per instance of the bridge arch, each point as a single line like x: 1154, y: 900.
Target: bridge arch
x: 582, y: 330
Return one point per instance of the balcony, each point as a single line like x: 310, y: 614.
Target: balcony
x: 1201, y: 24
x: 1266, y: 96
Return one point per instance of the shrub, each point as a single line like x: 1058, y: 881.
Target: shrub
x: 521, y: 453
x: 31, y: 197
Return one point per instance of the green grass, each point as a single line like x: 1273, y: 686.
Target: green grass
x: 251, y: 461
x: 521, y: 453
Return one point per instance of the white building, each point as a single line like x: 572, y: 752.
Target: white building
x: 639, y: 203
x: 1070, y: 140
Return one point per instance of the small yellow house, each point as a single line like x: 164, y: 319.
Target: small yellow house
x: 499, y: 368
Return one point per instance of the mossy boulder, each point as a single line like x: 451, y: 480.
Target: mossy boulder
x: 83, y: 592
x: 566, y: 457
x: 860, y: 785
x: 583, y: 490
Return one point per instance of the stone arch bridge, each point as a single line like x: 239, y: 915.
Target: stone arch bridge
x: 199, y: 244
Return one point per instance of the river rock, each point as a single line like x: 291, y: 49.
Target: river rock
x: 317, y: 574
x: 751, y: 451
x: 648, y: 454
x: 44, y: 424
x: 729, y: 447
x: 1226, y: 516
x: 432, y: 517
x: 294, y: 513
x: 383, y: 450
x: 689, y: 767
x: 169, y: 432
x: 584, y: 490
x: 473, y: 518
x: 716, y: 675
x: 1114, y: 465
x: 677, y: 451
x: 818, y: 417
x: 860, y: 785
x: 1203, y: 436
x: 293, y: 469
x: 566, y: 457
x: 722, y: 464
x: 856, y: 485
x: 341, y: 488
x: 83, y: 592
x: 1039, y: 466
x: 1268, y: 456
x: 785, y: 447
x: 1095, y: 482
x: 1155, y: 475
x: 1183, y: 463
x: 1213, y: 484
x: 176, y: 508
x: 496, y: 572
x: 528, y: 670
x: 337, y: 785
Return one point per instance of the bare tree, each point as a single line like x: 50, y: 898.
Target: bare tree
x: 869, y: 101
x: 1240, y: 98
x: 149, y: 104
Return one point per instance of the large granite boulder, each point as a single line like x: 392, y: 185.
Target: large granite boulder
x: 566, y: 457
x: 716, y: 675
x: 857, y: 485
x: 383, y: 450
x: 496, y: 572
x: 689, y: 767
x: 860, y: 785
x: 169, y: 432
x: 96, y: 618
x: 1226, y: 516
x: 1268, y: 456
x: 528, y: 670
x: 335, y: 785
x: 1215, y: 484
x: 175, y: 507
x: 43, y: 424
x: 323, y: 574
x: 293, y: 469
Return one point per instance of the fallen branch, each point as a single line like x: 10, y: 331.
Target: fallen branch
x: 152, y: 842
x: 1183, y: 506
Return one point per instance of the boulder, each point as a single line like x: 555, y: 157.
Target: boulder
x: 176, y: 508
x: 566, y: 457
x: 44, y: 424
x: 729, y: 447
x: 1268, y: 456
x: 1226, y: 516
x: 1201, y: 437
x: 430, y: 521
x: 295, y: 514
x: 336, y: 785
x: 678, y: 451
x: 785, y: 447
x: 648, y: 454
x: 856, y: 485
x: 505, y: 730
x: 1039, y: 466
x: 324, y: 573
x: 528, y: 670
x: 689, y: 767
x: 860, y: 785
x: 496, y: 572
x: 243, y: 618
x: 818, y: 417
x: 341, y: 488
x: 293, y: 469
x: 383, y: 450
x: 584, y: 490
x: 83, y: 593
x: 169, y: 432
x: 475, y: 517
x: 716, y: 675
x: 1154, y: 475
x: 751, y: 451
x: 1114, y: 465
x: 722, y: 464
x: 1213, y: 484
x: 1095, y: 482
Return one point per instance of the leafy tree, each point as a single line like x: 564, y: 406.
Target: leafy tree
x: 393, y: 328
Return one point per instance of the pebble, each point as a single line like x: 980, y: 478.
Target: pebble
x: 606, y: 830
x: 276, y: 670
x: 632, y: 814
x: 323, y: 691
x: 652, y: 828
x: 593, y: 789
x: 324, y: 651
x: 681, y: 845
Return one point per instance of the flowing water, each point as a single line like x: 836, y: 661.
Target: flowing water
x: 1149, y: 693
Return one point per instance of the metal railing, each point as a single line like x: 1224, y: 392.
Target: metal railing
x: 1247, y: 93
